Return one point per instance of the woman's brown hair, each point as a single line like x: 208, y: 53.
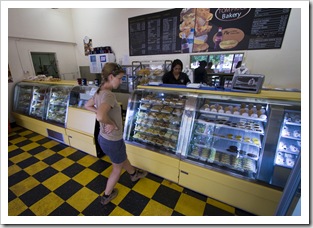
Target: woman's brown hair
x: 109, y: 68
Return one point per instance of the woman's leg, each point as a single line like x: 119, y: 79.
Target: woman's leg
x: 113, y: 178
x: 128, y: 167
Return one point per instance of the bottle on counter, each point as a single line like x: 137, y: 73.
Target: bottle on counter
x: 218, y: 38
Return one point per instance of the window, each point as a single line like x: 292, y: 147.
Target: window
x: 45, y: 63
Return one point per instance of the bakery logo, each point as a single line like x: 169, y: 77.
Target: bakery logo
x: 231, y: 14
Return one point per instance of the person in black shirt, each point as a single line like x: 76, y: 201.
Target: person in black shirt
x: 176, y: 76
x: 200, y: 73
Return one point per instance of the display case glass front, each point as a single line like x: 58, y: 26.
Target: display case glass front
x: 39, y: 101
x: 79, y: 95
x: 154, y: 120
x: 58, y: 103
x: 289, y: 143
x: 228, y: 135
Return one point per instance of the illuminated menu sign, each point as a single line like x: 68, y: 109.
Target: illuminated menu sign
x: 207, y: 30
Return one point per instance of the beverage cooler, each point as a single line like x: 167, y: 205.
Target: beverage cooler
x: 42, y: 107
x: 232, y: 148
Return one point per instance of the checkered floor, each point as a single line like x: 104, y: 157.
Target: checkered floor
x: 49, y: 178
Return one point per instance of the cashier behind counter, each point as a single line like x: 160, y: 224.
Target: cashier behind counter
x: 176, y: 76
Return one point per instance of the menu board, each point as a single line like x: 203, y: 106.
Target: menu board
x: 155, y: 33
x: 192, y: 30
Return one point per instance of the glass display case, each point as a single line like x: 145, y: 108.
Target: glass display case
x: 46, y: 102
x: 154, y: 120
x: 234, y: 135
x: 58, y: 104
x: 79, y: 95
x: 289, y: 143
x: 30, y: 99
x: 228, y: 135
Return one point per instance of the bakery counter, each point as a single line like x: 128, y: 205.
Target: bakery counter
x: 265, y: 94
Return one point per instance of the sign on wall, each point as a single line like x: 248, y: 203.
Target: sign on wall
x: 193, y: 30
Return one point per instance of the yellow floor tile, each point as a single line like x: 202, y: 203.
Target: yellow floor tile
x: 146, y: 187
x: 20, y: 157
x: 67, y: 151
x: 221, y: 205
x: 30, y: 146
x: 44, y: 154
x: 37, y: 138
x: 85, y: 176
x: 81, y: 199
x: 35, y: 168
x: 87, y: 160
x: 47, y: 204
x: 157, y: 209
x: 24, y: 186
x: 16, y: 207
x: 50, y: 144
x: 120, y: 212
x: 55, y: 181
x: 26, y: 132
x: 190, y: 206
x: 62, y: 164
x: 12, y: 147
x: 13, y: 169
x: 18, y: 140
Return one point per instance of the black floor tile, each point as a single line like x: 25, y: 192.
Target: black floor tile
x: 68, y: 189
x: 134, y: 203
x: 73, y: 170
x: 37, y: 150
x: 33, y: 134
x: 34, y: 195
x: 215, y: 211
x: 15, y: 152
x: 99, y: 166
x: 43, y: 141
x: 12, y: 196
x: 16, y: 136
x: 65, y: 210
x: 195, y: 194
x: 10, y: 163
x: 98, y: 184
x: 45, y: 174
x: 155, y: 177
x: 242, y: 212
x: 125, y: 180
x: 175, y: 213
x: 58, y: 147
x: 97, y: 209
x: 53, y: 159
x: 28, y: 162
x: 23, y: 143
x: 77, y: 155
x: 27, y: 212
x: 166, y: 196
x: 17, y: 177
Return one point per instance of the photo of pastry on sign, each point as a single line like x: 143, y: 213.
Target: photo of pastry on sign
x: 231, y: 38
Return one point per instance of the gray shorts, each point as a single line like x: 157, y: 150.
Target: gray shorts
x: 116, y: 150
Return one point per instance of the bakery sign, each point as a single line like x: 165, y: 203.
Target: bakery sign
x: 192, y: 30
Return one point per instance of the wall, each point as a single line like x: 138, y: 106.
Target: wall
x: 61, y: 31
x: 39, y: 30
x: 281, y: 67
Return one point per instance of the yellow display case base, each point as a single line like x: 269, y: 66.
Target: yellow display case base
x: 41, y: 127
x: 248, y: 196
x: 156, y: 163
x: 82, y: 142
